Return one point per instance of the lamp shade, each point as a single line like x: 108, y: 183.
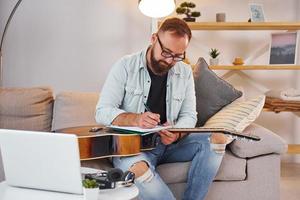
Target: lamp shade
x: 156, y: 8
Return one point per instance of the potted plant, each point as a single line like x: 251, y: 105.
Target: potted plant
x: 91, y: 189
x: 185, y: 8
x: 214, y: 53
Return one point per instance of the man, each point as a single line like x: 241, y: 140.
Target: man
x: 156, y: 77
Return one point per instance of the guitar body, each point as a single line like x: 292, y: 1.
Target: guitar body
x: 108, y: 143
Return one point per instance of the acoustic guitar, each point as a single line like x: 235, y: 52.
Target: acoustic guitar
x: 101, y: 142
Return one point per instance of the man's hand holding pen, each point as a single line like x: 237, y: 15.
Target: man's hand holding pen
x: 151, y: 119
x: 148, y: 120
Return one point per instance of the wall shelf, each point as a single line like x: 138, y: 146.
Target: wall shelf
x: 293, y: 149
x: 255, y: 67
x: 221, y: 26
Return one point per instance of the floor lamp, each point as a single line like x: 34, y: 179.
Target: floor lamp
x: 3, y: 36
x: 156, y: 9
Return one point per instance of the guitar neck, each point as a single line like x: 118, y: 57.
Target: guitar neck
x: 223, y: 130
x: 199, y: 129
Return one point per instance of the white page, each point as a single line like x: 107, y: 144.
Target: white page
x: 140, y: 130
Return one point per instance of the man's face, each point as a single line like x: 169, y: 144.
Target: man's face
x: 167, y: 49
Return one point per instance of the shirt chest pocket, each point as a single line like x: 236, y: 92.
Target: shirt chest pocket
x: 132, y: 95
x: 177, y: 100
x: 133, y: 91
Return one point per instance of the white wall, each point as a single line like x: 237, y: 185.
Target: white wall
x: 71, y: 45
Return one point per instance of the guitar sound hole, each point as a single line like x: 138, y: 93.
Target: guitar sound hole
x: 101, y: 146
x: 149, y: 141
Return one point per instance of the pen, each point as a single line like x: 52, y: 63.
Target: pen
x: 148, y: 109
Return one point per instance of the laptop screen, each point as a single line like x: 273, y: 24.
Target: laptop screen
x: 40, y: 160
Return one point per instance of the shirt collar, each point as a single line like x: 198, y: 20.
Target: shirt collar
x: 144, y: 59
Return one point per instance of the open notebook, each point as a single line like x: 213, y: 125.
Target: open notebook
x: 137, y: 130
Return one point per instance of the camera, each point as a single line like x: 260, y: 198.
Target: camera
x: 113, y: 178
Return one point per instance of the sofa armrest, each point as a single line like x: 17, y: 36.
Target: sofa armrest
x: 269, y: 143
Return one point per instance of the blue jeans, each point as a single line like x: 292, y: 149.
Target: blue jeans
x: 195, y: 148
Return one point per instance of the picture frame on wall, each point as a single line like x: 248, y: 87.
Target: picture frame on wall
x: 257, y: 13
x: 283, y: 48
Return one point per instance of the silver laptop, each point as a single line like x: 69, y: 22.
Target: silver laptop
x: 39, y: 160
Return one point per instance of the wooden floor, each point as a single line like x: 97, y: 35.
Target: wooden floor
x: 290, y: 181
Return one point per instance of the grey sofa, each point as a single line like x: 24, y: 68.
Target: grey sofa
x: 249, y: 170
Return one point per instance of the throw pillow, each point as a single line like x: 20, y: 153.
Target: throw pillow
x: 26, y: 108
x: 73, y: 109
x: 237, y: 115
x: 212, y: 92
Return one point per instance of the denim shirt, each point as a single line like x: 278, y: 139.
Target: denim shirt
x: 127, y: 87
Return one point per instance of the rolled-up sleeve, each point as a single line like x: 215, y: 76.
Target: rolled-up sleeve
x: 110, y: 100
x: 187, y: 117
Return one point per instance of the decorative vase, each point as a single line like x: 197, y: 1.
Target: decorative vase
x: 214, y: 61
x: 91, y: 193
x: 238, y: 61
x: 220, y: 17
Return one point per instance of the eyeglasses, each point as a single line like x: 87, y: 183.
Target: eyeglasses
x: 166, y: 54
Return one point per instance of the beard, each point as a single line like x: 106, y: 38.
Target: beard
x: 159, y: 67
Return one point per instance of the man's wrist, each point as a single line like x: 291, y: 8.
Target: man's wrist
x: 127, y: 119
x: 178, y: 138
x: 183, y: 135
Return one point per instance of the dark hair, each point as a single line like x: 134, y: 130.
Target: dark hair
x: 176, y: 25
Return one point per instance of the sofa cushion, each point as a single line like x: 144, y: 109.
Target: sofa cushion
x: 237, y: 115
x: 212, y: 92
x: 72, y: 109
x: 26, y: 108
x: 269, y: 143
x: 232, y: 168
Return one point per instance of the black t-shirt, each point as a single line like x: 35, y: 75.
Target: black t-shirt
x: 157, y: 95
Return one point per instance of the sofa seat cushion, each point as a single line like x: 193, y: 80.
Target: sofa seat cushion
x: 269, y: 143
x: 72, y: 109
x: 26, y: 108
x: 232, y: 169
